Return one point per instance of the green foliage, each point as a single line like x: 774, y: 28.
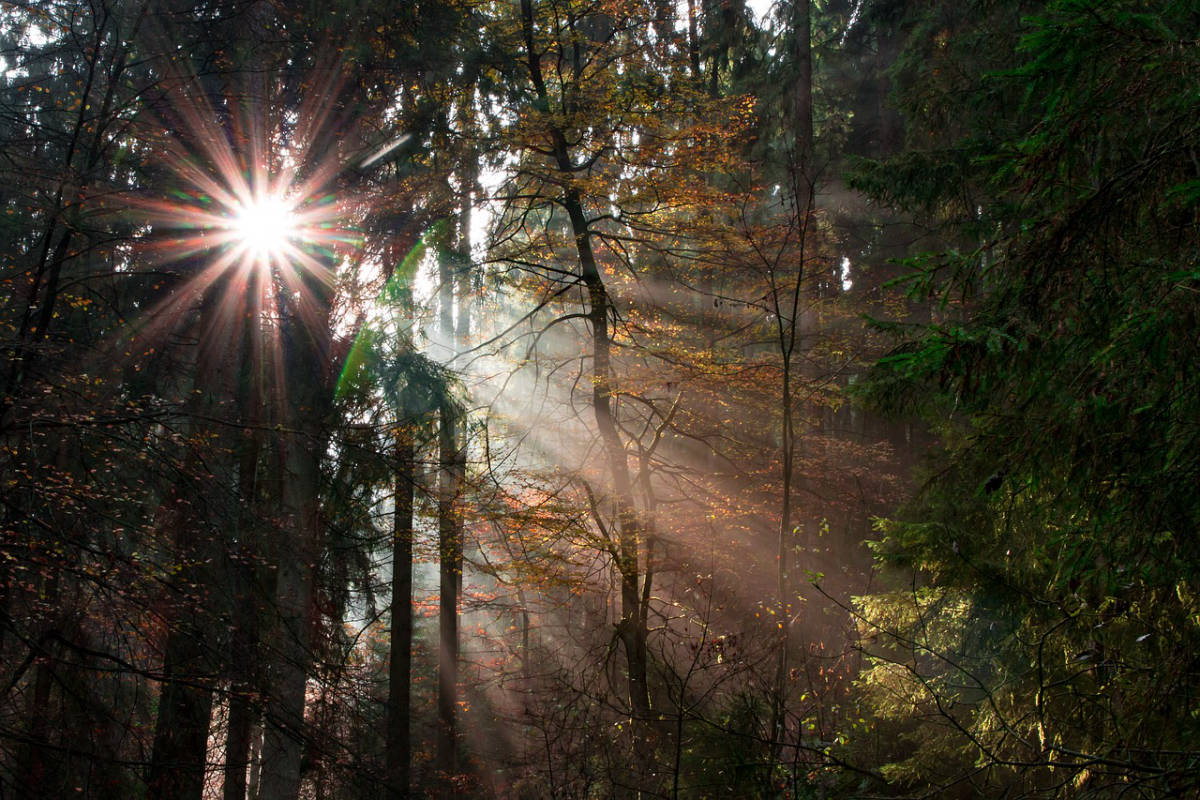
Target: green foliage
x: 383, y: 359
x: 1051, y: 633
x: 730, y: 758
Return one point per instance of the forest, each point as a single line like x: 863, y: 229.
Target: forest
x: 599, y: 399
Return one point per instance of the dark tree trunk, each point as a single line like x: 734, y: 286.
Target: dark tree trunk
x: 178, y: 758
x: 33, y: 779
x: 242, y: 668
x: 181, y: 734
x: 788, y: 321
x: 631, y: 629
x: 451, y: 478
x: 306, y: 363
x: 802, y: 169
x: 399, y: 741
x: 237, y: 747
x: 449, y: 578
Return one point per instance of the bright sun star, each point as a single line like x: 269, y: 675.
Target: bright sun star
x: 265, y: 227
x: 247, y: 209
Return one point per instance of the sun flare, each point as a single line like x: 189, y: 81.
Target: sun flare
x: 265, y: 226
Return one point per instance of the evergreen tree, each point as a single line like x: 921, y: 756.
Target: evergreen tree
x: 1046, y: 635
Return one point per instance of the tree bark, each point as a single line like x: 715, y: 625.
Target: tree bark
x: 243, y: 669
x: 399, y: 742
x: 451, y: 478
x: 178, y: 763
x: 449, y: 581
x: 178, y: 758
x: 305, y: 334
x: 631, y: 629
x: 802, y: 168
x: 788, y: 321
x: 244, y: 557
x: 237, y: 746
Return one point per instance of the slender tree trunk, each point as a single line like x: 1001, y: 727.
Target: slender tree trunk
x: 783, y: 555
x: 449, y: 575
x: 632, y: 632
x: 244, y: 570
x: 445, y: 290
x: 178, y: 758
x: 284, y: 734
x: 632, y: 627
x: 399, y: 742
x: 243, y: 670
x: 237, y: 746
x: 693, y: 40
x: 32, y: 777
x: 454, y: 268
x: 788, y: 319
x: 177, y: 761
x: 464, y: 262
x: 802, y: 168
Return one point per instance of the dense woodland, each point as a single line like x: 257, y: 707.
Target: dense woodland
x: 599, y: 398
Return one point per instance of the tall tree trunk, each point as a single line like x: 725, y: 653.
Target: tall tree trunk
x: 449, y: 578
x: 693, y: 40
x: 305, y: 334
x: 470, y: 189
x: 451, y: 478
x: 399, y: 742
x: 445, y: 290
x: 783, y: 556
x: 239, y: 729
x: 32, y: 778
x: 296, y: 558
x: 801, y: 169
x: 244, y: 556
x: 788, y: 321
x: 178, y: 758
x: 177, y: 763
x: 631, y: 628
x: 243, y: 646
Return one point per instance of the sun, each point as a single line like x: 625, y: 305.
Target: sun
x: 265, y: 227
x: 253, y: 209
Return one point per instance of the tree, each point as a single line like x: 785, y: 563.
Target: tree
x: 1045, y: 626
x: 76, y: 80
